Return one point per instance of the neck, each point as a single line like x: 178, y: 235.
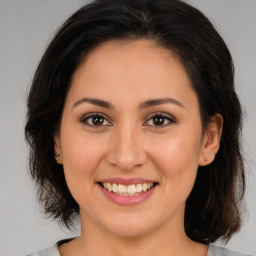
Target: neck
x: 170, y: 239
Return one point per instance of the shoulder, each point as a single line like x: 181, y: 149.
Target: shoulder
x: 215, y: 250
x: 53, y: 251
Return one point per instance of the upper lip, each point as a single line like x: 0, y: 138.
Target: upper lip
x: 124, y: 181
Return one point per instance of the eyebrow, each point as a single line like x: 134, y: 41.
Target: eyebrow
x: 156, y: 102
x: 143, y: 105
x: 96, y: 102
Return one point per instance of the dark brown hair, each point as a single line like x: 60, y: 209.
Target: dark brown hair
x: 213, y: 207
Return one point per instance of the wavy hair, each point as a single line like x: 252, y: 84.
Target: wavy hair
x: 213, y: 209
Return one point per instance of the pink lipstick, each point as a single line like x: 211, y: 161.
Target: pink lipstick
x: 127, y: 192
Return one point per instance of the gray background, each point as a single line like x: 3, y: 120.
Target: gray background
x: 26, y: 27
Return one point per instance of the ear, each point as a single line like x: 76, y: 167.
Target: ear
x: 57, y: 148
x: 211, y: 140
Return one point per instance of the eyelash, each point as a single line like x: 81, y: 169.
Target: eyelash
x: 88, y: 120
x: 170, y: 120
x: 85, y: 119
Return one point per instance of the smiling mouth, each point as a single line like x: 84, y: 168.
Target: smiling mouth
x: 127, y: 190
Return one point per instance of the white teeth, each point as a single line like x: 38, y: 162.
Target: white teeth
x: 114, y: 187
x: 130, y: 190
x: 139, y: 188
x: 109, y: 187
x: 121, y: 189
x: 145, y: 187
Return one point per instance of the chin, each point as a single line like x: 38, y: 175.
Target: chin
x: 130, y: 227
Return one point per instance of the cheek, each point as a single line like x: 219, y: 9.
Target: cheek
x: 177, y: 157
x: 78, y: 149
x: 80, y: 158
x: 80, y: 163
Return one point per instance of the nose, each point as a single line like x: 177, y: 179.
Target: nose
x: 126, y: 149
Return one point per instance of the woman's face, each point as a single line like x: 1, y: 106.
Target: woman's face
x: 131, y: 123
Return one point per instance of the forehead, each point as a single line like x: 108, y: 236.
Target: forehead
x: 148, y: 48
x: 143, y: 55
x: 127, y: 67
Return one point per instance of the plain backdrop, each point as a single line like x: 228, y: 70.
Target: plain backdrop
x: 26, y: 27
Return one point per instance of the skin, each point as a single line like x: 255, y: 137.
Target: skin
x: 130, y: 143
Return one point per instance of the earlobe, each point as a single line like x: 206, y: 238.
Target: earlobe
x: 57, y: 149
x: 211, y: 141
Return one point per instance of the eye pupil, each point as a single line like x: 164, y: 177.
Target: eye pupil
x: 158, y: 120
x: 97, y: 120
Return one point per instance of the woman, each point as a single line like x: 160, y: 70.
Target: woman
x: 134, y: 126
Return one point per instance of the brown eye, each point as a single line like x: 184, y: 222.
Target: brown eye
x: 158, y: 120
x: 95, y: 120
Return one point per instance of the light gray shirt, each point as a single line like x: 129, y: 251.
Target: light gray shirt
x: 213, y: 250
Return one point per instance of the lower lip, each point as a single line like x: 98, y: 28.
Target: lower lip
x: 127, y: 200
